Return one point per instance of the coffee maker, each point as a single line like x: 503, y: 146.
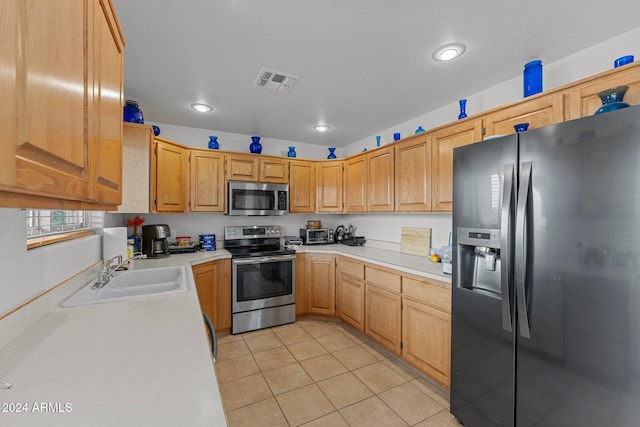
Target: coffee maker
x: 154, y: 240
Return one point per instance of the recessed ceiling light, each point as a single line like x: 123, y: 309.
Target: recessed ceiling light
x: 449, y: 51
x: 321, y: 128
x: 202, y: 108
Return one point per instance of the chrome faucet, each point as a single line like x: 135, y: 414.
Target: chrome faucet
x: 111, y: 265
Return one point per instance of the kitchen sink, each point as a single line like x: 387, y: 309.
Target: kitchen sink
x: 132, y: 284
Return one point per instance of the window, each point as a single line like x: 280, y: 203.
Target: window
x: 50, y: 226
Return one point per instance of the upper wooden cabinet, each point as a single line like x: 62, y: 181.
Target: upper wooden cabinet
x: 61, y: 113
x: 583, y: 99
x: 207, y: 181
x: 443, y: 142
x: 538, y: 112
x: 253, y: 168
x: 330, y: 175
x: 355, y: 184
x: 169, y: 172
x: 302, y: 186
x: 137, y: 143
x: 413, y: 175
x: 380, y: 188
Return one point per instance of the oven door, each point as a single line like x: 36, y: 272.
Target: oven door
x: 261, y: 282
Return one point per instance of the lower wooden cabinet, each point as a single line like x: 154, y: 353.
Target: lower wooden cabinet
x: 321, y: 284
x: 213, y: 284
x: 383, y: 317
x: 351, y: 300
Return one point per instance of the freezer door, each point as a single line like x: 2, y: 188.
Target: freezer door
x: 482, y: 308
x: 578, y: 335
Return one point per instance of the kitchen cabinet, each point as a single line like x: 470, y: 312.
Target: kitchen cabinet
x: 355, y: 184
x: 426, y: 327
x: 443, y: 141
x: 301, y: 283
x: 62, y: 145
x: 213, y: 284
x: 413, y: 175
x: 383, y: 317
x: 302, y: 186
x: 274, y: 170
x: 541, y: 110
x: 137, y: 141
x: 380, y: 188
x: 350, y: 292
x: 207, y: 184
x: 583, y: 98
x: 253, y: 168
x: 321, y: 284
x: 330, y: 174
x: 169, y: 170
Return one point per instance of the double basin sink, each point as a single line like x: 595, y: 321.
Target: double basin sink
x: 132, y: 284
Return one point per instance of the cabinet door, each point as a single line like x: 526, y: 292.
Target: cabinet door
x: 351, y: 301
x: 584, y: 101
x: 380, y: 188
x: 413, y: 175
x: 45, y: 98
x: 106, y: 114
x: 213, y: 285
x: 383, y: 317
x: 355, y: 184
x: 207, y: 181
x: 274, y: 170
x: 442, y: 144
x: 426, y: 334
x: 170, y: 172
x: 330, y: 186
x: 301, y: 283
x: 137, y: 141
x: 242, y: 167
x: 321, y: 284
x: 302, y: 186
x: 538, y: 112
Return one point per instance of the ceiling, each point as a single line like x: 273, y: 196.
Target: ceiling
x: 364, y: 65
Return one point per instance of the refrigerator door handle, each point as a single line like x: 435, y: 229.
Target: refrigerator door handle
x: 506, y: 245
x: 521, y: 253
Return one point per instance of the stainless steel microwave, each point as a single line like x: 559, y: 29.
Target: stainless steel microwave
x: 254, y: 198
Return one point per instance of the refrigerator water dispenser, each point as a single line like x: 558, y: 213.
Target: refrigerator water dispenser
x: 478, y: 257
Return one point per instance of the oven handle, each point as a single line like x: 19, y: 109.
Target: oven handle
x: 262, y: 259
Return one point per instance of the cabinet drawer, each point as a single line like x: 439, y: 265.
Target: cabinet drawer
x: 383, y: 279
x: 352, y: 268
x: 428, y: 293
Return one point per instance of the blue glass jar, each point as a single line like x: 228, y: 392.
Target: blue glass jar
x: 532, y: 76
x: 132, y: 112
x: 255, y: 147
x: 291, y: 152
x: 213, y: 142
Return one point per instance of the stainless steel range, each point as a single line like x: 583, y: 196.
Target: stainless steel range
x: 263, y: 277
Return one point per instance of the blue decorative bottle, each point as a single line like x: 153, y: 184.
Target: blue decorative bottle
x: 332, y: 154
x: 255, y: 147
x: 132, y: 112
x: 463, y: 106
x: 292, y: 152
x: 532, y: 76
x: 419, y: 130
x: 213, y: 142
x: 612, y: 99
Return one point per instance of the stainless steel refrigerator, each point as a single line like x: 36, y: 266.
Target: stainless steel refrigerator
x: 546, y: 286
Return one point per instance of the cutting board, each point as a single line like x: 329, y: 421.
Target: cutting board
x: 415, y: 240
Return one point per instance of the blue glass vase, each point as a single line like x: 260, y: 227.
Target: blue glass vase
x: 132, y: 112
x: 612, y: 99
x: 463, y: 106
x: 213, y: 142
x: 156, y: 130
x: 332, y: 154
x: 521, y: 127
x: 532, y: 76
x: 292, y: 152
x: 255, y: 147
x: 419, y: 130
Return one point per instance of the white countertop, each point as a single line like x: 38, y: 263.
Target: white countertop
x: 143, y: 362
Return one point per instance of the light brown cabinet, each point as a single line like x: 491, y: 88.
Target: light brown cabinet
x: 380, y: 187
x: 330, y: 174
x: 62, y: 142
x: 355, y: 184
x: 207, y: 182
x: 302, y: 186
x: 413, y: 175
x: 137, y: 143
x: 274, y: 170
x: 383, y: 317
x: 351, y: 292
x: 169, y: 172
x: 443, y: 142
x: 213, y: 285
x: 253, y: 168
x: 321, y: 284
x: 301, y: 283
x: 538, y: 112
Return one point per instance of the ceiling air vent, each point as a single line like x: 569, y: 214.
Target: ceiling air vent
x: 275, y: 80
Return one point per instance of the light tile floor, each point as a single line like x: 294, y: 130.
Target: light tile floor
x: 321, y: 372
